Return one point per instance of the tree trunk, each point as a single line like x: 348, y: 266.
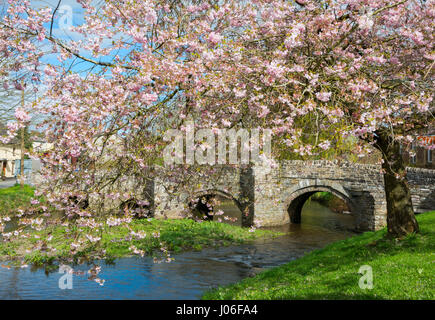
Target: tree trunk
x: 400, y: 213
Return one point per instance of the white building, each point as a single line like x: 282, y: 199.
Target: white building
x: 12, y: 152
x: 8, y: 155
x: 40, y: 146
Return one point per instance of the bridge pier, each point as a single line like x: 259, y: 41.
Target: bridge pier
x: 247, y: 196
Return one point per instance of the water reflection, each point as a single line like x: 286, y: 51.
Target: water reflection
x: 232, y: 214
x: 191, y: 273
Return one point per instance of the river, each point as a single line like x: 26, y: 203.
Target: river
x: 191, y: 274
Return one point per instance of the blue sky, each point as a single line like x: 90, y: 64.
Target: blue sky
x: 67, y: 10
x: 12, y: 98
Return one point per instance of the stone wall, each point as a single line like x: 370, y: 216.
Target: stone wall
x: 275, y: 196
x: 172, y: 199
x: 422, y: 183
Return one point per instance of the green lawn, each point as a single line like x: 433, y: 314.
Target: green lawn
x: 402, y: 269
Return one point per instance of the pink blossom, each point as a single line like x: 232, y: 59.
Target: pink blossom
x: 263, y: 112
x: 214, y: 38
x: 151, y: 16
x: 226, y: 123
x: 365, y: 22
x: 148, y: 98
x: 417, y: 37
x: 239, y: 93
x: 323, y: 96
x: 50, y: 71
x: 325, y: 145
x: 22, y: 115
x: 275, y: 70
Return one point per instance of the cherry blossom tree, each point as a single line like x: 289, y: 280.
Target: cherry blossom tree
x: 352, y: 68
x: 348, y: 68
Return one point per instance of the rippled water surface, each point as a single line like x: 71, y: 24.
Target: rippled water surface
x: 191, y: 274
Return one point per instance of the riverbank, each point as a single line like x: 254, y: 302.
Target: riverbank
x: 175, y: 235
x: 143, y: 236
x: 13, y: 198
x: 402, y: 269
x: 191, y: 273
x: 330, y: 201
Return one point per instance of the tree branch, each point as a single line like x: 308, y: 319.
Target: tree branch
x: 52, y: 17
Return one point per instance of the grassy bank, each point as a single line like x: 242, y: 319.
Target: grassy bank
x: 402, y: 269
x: 14, y: 198
x: 175, y: 235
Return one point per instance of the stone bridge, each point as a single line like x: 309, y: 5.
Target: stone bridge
x: 276, y: 196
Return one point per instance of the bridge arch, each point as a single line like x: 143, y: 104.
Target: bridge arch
x: 207, y: 193
x: 297, y: 198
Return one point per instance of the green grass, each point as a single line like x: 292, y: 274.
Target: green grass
x: 15, y: 197
x: 176, y: 235
x: 402, y: 269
